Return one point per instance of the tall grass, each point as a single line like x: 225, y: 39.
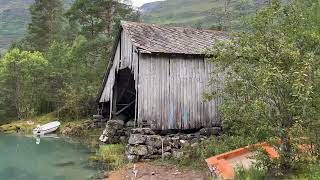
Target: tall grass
x: 113, y: 154
x: 194, y: 157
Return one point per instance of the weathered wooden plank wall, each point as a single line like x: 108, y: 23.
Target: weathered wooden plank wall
x: 169, y: 88
x: 125, y: 57
x: 170, y: 92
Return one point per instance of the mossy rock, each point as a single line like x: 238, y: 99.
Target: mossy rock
x: 72, y: 129
x: 10, y: 129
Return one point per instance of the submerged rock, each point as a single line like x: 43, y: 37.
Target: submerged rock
x: 64, y: 164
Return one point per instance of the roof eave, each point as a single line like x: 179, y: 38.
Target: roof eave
x: 110, y: 64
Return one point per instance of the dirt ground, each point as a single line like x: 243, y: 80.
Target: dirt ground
x: 148, y: 171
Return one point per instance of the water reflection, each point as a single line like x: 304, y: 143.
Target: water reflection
x: 38, y: 137
x: 53, y: 159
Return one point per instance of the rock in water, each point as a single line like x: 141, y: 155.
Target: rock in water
x: 64, y: 164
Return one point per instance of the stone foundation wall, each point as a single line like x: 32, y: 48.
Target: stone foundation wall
x: 116, y: 131
x: 144, y: 143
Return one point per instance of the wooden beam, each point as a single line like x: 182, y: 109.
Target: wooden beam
x: 131, y: 92
x: 124, y: 108
x: 115, y: 94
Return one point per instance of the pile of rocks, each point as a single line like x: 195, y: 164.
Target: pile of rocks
x: 116, y: 131
x: 144, y: 143
x: 99, y: 121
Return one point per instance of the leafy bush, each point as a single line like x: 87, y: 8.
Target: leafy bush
x: 251, y: 174
x: 195, y: 156
x: 270, y: 81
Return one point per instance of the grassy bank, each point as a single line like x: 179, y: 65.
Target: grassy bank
x: 112, y: 154
x: 69, y: 128
x: 194, y: 157
x: 22, y: 127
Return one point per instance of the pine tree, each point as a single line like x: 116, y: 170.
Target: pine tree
x: 46, y: 23
x: 98, y: 17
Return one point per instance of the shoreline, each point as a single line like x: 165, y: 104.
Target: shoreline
x: 151, y: 170
x: 106, y: 154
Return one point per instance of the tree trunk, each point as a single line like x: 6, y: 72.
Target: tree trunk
x: 286, y: 145
x: 109, y: 17
x: 17, y: 90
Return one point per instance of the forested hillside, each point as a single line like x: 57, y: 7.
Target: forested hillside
x: 58, y: 63
x: 14, y: 17
x: 270, y: 92
x: 216, y: 14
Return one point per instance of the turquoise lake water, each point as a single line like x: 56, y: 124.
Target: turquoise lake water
x: 53, y: 159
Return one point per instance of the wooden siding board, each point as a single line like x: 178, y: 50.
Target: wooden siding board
x: 169, y: 88
x: 170, y: 93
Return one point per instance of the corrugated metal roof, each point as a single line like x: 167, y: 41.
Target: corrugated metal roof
x: 171, y: 40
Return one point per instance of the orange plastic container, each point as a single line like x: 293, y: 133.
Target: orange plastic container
x: 223, y: 165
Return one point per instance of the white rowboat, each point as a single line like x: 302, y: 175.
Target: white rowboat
x: 47, y: 128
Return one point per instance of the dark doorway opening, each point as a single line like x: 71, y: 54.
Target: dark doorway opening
x: 124, y: 95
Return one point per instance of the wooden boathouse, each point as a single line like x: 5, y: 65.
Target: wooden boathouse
x: 157, y: 76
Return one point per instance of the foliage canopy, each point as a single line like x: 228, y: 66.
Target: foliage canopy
x: 271, y: 76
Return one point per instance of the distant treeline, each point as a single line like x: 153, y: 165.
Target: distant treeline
x: 59, y: 64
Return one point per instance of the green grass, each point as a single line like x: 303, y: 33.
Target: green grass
x: 311, y: 172
x: 113, y: 154
x: 22, y: 127
x: 251, y: 174
x: 68, y: 127
x: 194, y: 157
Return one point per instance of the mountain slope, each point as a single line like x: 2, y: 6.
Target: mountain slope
x: 14, y: 15
x: 14, y: 18
x: 204, y: 13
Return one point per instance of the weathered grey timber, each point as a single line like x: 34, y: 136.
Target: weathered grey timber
x: 157, y: 77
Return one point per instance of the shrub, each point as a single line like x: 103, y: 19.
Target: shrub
x: 195, y: 156
x: 251, y: 174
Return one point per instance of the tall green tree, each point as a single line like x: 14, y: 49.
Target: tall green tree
x: 22, y: 82
x: 98, y: 17
x: 271, y: 77
x: 46, y: 23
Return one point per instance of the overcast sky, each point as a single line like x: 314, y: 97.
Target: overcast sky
x: 139, y: 3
